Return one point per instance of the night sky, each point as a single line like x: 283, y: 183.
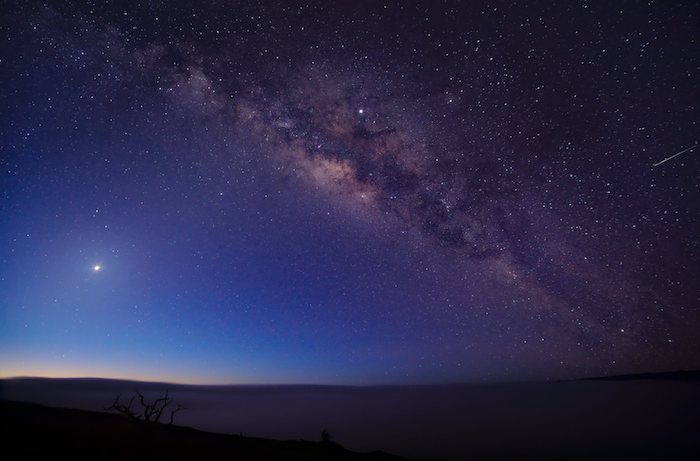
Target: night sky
x: 354, y: 193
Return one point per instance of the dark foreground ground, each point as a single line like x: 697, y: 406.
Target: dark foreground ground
x: 640, y: 417
x: 33, y: 431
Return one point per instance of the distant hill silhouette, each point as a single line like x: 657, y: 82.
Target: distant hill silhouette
x: 33, y: 431
x: 686, y: 375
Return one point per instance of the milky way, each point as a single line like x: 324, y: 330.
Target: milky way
x: 356, y: 193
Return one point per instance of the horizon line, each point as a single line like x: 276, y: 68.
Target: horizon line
x: 641, y: 375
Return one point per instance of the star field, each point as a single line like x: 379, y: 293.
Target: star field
x: 366, y: 192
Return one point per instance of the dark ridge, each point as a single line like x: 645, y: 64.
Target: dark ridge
x: 686, y: 375
x: 34, y: 431
x: 106, y: 383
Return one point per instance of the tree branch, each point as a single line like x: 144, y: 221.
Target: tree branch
x: 150, y: 412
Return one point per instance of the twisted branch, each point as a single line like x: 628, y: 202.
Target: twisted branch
x: 150, y: 412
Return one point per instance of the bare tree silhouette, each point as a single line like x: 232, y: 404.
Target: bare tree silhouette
x: 144, y: 411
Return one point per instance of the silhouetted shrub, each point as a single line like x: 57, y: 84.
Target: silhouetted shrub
x: 326, y: 436
x: 145, y: 411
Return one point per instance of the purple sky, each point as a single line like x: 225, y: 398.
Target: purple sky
x: 362, y: 192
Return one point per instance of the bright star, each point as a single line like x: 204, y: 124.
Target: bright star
x: 361, y: 111
x: 96, y: 268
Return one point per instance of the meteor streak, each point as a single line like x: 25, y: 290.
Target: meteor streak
x: 676, y: 155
